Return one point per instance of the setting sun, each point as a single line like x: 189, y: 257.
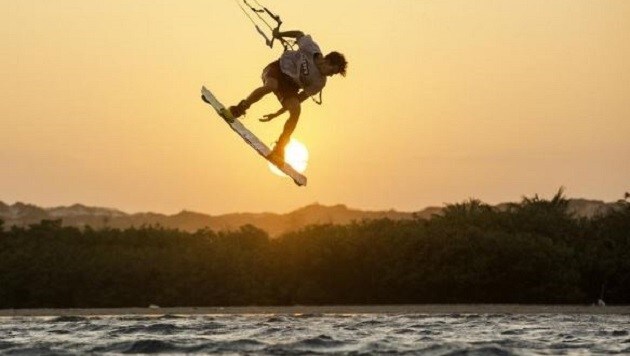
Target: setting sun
x: 296, y: 155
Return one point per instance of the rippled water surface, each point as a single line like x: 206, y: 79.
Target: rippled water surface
x: 430, y: 334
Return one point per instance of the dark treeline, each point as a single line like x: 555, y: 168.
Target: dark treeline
x: 533, y: 252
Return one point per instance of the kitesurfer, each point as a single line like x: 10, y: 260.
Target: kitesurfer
x: 297, y: 75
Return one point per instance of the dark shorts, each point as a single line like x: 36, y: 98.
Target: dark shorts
x: 286, y: 86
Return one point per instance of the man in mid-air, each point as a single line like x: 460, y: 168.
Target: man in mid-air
x: 293, y: 78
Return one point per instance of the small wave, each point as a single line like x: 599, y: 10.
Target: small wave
x: 321, y: 341
x: 171, y: 317
x: 233, y: 346
x: 61, y: 331
x: 416, y: 316
x: 68, y: 319
x: 269, y: 330
x: 162, y: 328
x: 405, y: 331
x: 212, y: 328
x: 495, y: 315
x: 242, y: 345
x: 150, y: 346
x: 472, y: 316
x: 341, y: 316
x: 565, y: 345
x: 513, y: 332
x: 427, y: 327
x: 434, y: 348
x: 566, y: 336
x: 440, y: 316
x: 428, y: 332
x: 308, y: 315
x: 135, y: 318
x: 7, y: 345
x: 33, y: 350
x: 94, y: 327
x: 368, y: 323
x: 276, y: 319
x: 314, y: 345
x: 507, y: 343
x: 377, y: 347
x: 483, y: 350
x: 140, y: 346
x: 211, y: 325
x: 159, y: 328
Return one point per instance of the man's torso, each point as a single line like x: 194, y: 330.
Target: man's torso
x: 300, y: 66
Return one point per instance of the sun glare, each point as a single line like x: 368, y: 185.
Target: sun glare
x: 295, y: 154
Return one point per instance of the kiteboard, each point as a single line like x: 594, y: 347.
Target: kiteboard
x: 249, y: 137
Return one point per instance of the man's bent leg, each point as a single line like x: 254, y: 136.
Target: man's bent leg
x: 293, y: 105
x: 270, y: 85
x: 257, y: 94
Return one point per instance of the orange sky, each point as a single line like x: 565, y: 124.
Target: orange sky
x: 445, y: 100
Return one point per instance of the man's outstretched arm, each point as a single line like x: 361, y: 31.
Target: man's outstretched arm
x: 301, y: 96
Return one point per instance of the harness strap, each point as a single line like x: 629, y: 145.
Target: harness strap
x: 319, y: 101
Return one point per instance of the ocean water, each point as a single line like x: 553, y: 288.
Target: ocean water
x: 277, y: 334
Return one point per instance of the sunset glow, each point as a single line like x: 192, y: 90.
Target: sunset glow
x: 295, y: 154
x: 444, y: 100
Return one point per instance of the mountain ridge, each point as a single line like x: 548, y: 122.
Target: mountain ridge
x: 79, y: 215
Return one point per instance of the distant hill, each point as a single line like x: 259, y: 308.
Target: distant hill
x: 20, y: 214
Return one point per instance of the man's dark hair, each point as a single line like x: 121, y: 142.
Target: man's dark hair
x: 338, y: 59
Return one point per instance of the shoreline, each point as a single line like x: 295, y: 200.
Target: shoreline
x: 333, y: 309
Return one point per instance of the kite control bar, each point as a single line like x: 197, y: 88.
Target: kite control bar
x: 264, y: 10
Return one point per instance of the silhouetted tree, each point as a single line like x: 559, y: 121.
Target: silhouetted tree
x: 534, y: 251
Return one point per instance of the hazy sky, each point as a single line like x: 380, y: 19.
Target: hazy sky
x: 444, y: 100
